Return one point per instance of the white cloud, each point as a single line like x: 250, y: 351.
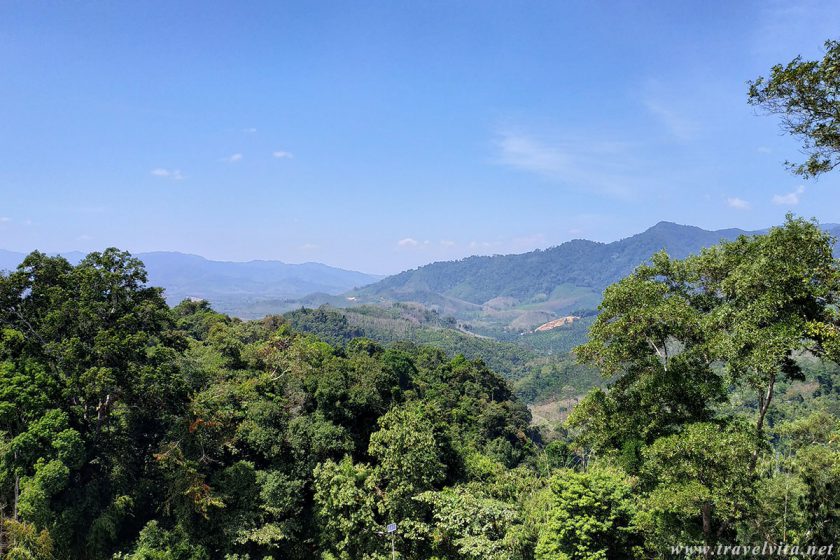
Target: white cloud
x: 677, y: 124
x: 408, y: 242
x: 4, y: 219
x: 764, y: 150
x: 280, y: 154
x: 738, y: 203
x: 249, y: 130
x: 789, y: 199
x: 447, y: 243
x: 599, y: 167
x: 234, y: 158
x: 309, y: 247
x: 174, y: 174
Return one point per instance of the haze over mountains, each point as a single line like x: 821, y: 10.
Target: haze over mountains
x: 519, y: 292
x: 500, y: 292
x: 543, y: 275
x: 231, y: 286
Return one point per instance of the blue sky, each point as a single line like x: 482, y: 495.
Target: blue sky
x: 384, y: 135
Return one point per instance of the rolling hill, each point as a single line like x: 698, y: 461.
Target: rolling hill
x: 537, y: 374
x: 498, y: 296
x: 519, y: 292
x: 536, y: 275
x: 231, y: 287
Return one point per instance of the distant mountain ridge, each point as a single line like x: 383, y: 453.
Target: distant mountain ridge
x: 530, y: 288
x: 512, y: 292
x: 578, y: 262
x: 231, y: 286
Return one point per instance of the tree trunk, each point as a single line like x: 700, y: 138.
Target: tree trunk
x: 17, y: 497
x: 764, y: 401
x: 2, y: 531
x: 17, y: 492
x: 706, y: 510
x: 102, y: 410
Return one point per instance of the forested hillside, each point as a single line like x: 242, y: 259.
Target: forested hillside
x: 134, y: 431
x: 515, y: 293
x: 537, y: 274
x: 666, y: 394
x: 539, y: 366
x: 186, y: 434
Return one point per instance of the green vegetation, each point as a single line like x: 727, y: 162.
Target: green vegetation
x: 537, y: 370
x: 129, y: 430
x: 698, y: 350
x: 805, y: 95
x: 136, y: 430
x: 409, y: 323
x: 511, y: 294
x: 558, y: 340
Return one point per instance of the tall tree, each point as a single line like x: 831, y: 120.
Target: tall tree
x: 700, y: 483
x: 770, y: 298
x: 751, y: 305
x: 806, y: 94
x: 590, y: 517
x: 92, y: 352
x: 649, y: 338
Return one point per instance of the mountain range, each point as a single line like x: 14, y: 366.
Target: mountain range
x: 491, y: 295
x: 231, y: 286
x: 518, y: 292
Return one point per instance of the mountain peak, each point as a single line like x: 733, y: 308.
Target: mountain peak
x: 561, y: 279
x: 670, y: 226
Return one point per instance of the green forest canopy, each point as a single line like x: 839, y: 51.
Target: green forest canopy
x: 131, y: 430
